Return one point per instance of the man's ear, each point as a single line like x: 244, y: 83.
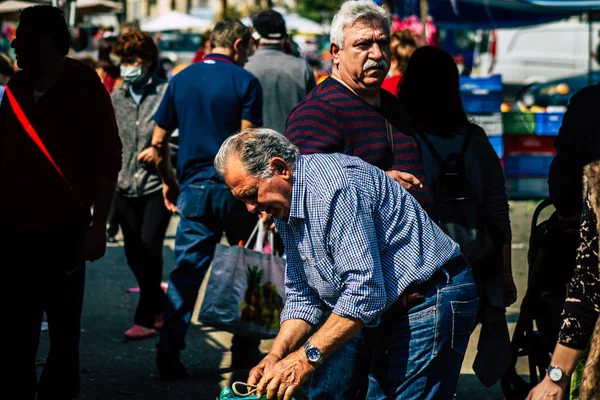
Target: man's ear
x: 334, y: 49
x: 280, y: 168
x: 236, y: 45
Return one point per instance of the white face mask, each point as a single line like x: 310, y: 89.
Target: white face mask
x: 131, y: 74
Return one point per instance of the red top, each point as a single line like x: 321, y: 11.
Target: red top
x: 75, y: 121
x: 392, y: 84
x: 198, y: 56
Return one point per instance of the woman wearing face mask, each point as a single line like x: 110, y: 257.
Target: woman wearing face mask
x: 139, y: 202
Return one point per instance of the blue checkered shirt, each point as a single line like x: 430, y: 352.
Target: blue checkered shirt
x: 354, y: 240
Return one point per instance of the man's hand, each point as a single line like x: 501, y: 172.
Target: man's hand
x: 146, y: 156
x: 94, y: 245
x: 170, y: 194
x: 509, y: 289
x: 406, y: 180
x: 547, y: 389
x: 262, y: 368
x: 280, y: 381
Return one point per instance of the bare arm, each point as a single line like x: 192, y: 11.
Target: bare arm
x: 292, y: 334
x: 247, y: 125
x: 567, y: 359
x: 162, y: 154
x: 162, y: 160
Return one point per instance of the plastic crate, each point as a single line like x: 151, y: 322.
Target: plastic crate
x: 527, y: 165
x: 548, y: 124
x: 527, y: 188
x: 518, y: 123
x: 482, y: 104
x: 481, y: 85
x: 497, y: 143
x: 491, y: 124
x: 527, y: 144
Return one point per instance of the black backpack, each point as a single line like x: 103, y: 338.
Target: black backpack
x: 461, y: 216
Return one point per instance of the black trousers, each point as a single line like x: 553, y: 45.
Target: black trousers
x: 45, y: 274
x: 144, y: 221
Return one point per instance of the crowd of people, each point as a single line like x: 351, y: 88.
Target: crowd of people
x: 354, y: 170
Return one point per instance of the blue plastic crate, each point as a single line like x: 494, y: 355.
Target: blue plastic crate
x: 522, y: 165
x: 497, y: 143
x: 527, y: 188
x: 493, y: 83
x: 482, y: 104
x: 548, y: 124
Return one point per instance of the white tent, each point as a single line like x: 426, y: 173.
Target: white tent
x: 295, y: 23
x: 10, y: 9
x: 174, y: 21
x: 98, y: 6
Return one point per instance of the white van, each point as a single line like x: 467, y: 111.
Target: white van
x: 543, y: 52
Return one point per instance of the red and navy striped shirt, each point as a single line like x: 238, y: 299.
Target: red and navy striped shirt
x: 332, y: 119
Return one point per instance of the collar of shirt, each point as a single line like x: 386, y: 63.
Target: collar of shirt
x: 217, y: 57
x: 269, y: 48
x: 149, y: 87
x: 298, y: 193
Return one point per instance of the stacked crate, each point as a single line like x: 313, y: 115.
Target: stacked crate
x: 482, y: 99
x: 529, y: 151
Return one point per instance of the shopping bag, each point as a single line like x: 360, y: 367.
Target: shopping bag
x: 245, y: 291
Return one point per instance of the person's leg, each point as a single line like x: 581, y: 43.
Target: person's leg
x: 130, y: 212
x: 419, y: 355
x: 155, y: 220
x: 238, y: 224
x: 65, y: 290
x: 25, y: 315
x: 198, y: 233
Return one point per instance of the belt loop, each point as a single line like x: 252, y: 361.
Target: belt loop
x: 445, y: 271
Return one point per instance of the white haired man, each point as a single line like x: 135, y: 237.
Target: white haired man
x: 356, y: 243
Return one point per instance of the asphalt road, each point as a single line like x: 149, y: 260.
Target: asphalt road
x: 112, y: 368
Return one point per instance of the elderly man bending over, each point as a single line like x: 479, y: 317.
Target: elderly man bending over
x: 357, y: 244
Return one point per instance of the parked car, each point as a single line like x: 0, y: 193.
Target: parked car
x: 555, y: 93
x: 178, y: 48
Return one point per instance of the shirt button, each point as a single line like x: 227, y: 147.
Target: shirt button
x: 304, y: 258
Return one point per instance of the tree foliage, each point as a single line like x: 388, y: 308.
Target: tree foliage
x: 318, y: 10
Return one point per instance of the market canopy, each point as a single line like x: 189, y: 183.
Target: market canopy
x: 175, y: 21
x: 86, y: 7
x: 486, y: 14
x: 9, y: 10
x: 295, y: 23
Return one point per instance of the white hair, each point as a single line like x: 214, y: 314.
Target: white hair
x: 255, y: 148
x: 353, y: 11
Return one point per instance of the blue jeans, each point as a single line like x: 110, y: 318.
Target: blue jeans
x: 343, y: 374
x: 206, y: 210
x: 419, y: 355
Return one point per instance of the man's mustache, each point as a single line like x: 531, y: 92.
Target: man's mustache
x: 375, y: 64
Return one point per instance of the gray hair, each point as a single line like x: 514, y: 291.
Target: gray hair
x: 353, y: 11
x: 256, y: 148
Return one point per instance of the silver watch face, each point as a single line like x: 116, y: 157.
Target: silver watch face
x: 555, y: 374
x: 313, y: 355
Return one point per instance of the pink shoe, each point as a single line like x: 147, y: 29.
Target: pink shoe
x: 158, y: 321
x: 138, y: 332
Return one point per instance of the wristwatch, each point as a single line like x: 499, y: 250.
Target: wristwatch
x: 313, y: 354
x: 556, y: 374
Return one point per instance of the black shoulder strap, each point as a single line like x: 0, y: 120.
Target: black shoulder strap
x: 438, y: 158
